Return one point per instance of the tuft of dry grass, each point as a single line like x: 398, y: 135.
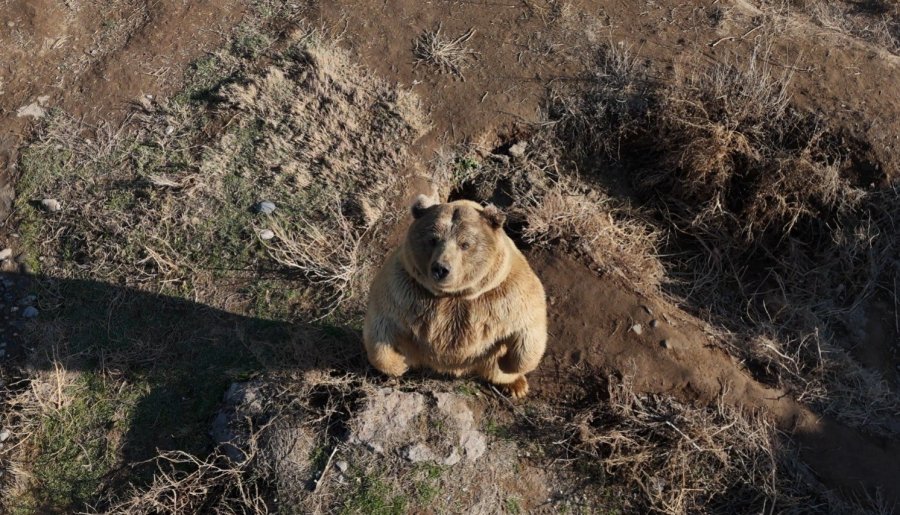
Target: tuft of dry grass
x: 686, y: 459
x: 613, y: 237
x: 327, y: 255
x: 873, y: 21
x: 447, y: 55
x: 185, y: 483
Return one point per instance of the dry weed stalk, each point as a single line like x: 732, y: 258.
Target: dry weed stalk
x: 185, y: 483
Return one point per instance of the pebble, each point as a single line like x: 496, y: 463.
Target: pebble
x: 342, y: 466
x: 5, y: 254
x: 666, y: 344
x: 265, y: 207
x: 51, y: 204
x: 30, y: 312
x: 169, y: 130
x: 266, y: 234
x: 4, y: 435
x: 654, y: 323
x: 637, y: 328
x: 518, y: 150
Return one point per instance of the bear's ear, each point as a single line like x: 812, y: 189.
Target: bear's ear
x: 494, y: 216
x: 421, y: 204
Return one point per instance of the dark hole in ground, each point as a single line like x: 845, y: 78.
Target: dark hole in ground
x: 498, y: 193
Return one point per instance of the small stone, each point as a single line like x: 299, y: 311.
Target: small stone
x: 5, y: 254
x: 342, y: 466
x: 30, y: 312
x: 265, y: 207
x: 654, y: 323
x: 33, y: 110
x: 665, y: 344
x: 169, y: 130
x: 266, y: 234
x: 637, y: 328
x: 4, y: 435
x: 647, y: 309
x: 518, y: 150
x: 51, y: 204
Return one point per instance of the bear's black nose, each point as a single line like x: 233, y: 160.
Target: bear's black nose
x: 439, y: 271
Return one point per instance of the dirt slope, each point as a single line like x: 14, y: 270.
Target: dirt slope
x: 591, y: 320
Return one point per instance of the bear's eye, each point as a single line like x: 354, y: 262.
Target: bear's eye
x: 465, y: 245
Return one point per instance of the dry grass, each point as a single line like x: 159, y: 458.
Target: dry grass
x: 765, y: 232
x: 686, y: 459
x: 447, y: 55
x: 187, y: 484
x: 874, y: 21
x: 157, y: 218
x: 609, y: 235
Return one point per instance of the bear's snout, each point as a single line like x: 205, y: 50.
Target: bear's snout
x: 439, y: 271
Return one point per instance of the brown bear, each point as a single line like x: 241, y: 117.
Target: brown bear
x: 458, y: 297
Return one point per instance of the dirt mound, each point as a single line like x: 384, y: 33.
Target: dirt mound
x: 593, y: 330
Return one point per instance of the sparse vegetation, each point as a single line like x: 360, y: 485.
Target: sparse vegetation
x: 160, y: 283
x: 448, y: 55
x: 765, y: 231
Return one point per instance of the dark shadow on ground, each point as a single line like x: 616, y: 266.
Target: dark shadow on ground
x: 176, y: 357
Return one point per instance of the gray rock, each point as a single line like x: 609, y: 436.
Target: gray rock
x: 266, y: 234
x: 33, y: 110
x: 5, y: 254
x: 30, y: 312
x: 419, y: 452
x: 265, y: 207
x: 51, y: 205
x: 4, y: 435
x: 342, y: 466
x: 638, y: 329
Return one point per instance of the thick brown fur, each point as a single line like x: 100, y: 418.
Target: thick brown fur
x: 486, y: 317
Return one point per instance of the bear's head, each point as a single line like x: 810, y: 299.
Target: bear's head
x: 453, y: 247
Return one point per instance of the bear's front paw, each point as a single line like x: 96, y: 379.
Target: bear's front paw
x: 395, y: 369
x: 518, y: 388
